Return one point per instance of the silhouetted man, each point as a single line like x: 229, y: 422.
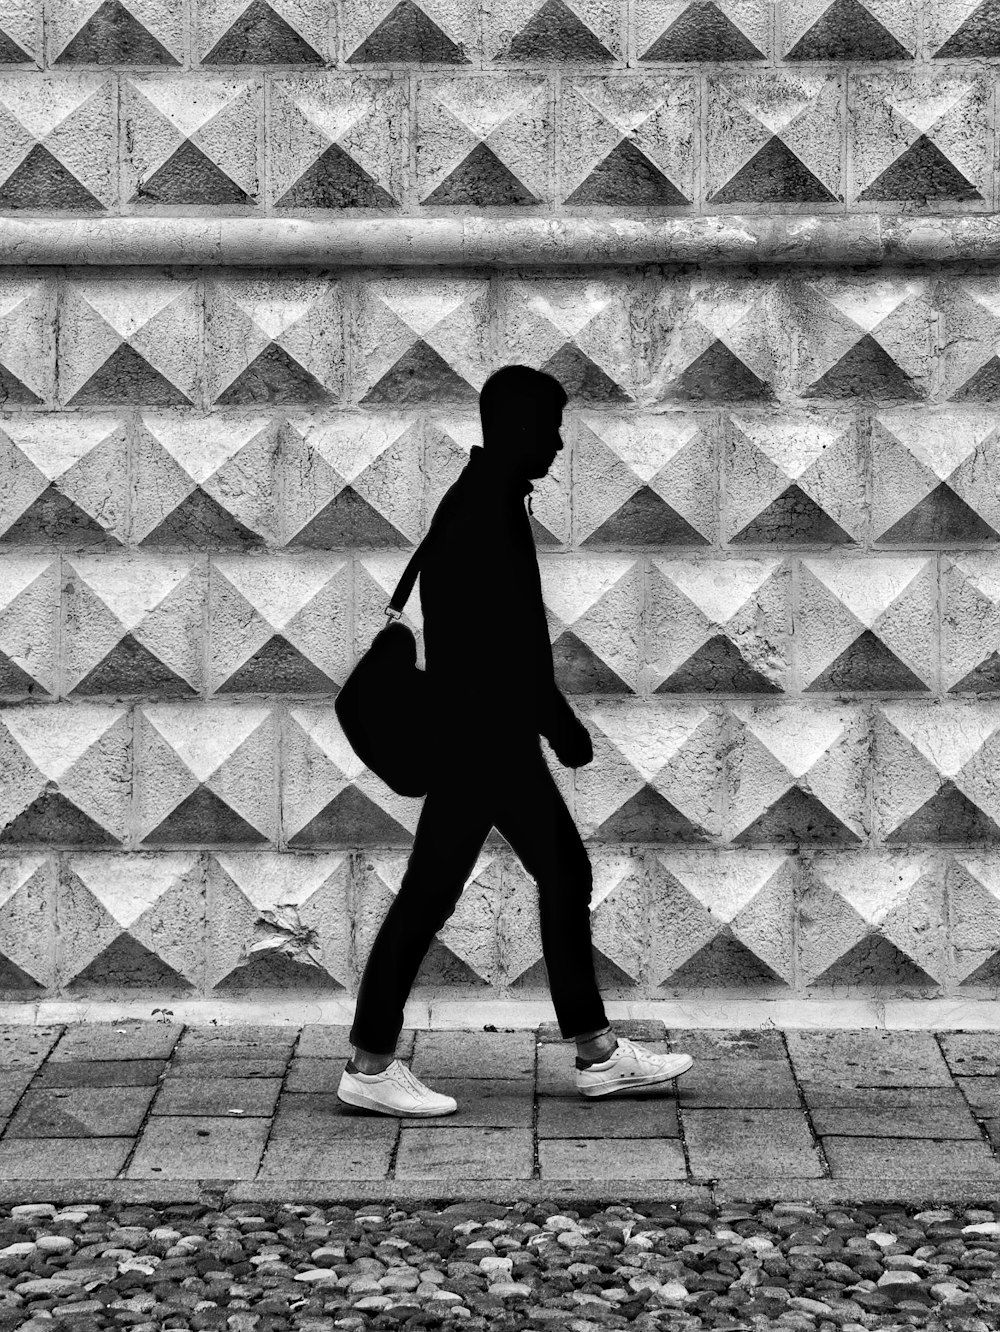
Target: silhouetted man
x: 493, y: 693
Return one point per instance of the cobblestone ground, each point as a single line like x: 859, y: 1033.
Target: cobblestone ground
x: 476, y: 1265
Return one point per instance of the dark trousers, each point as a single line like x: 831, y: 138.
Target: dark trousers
x: 519, y: 797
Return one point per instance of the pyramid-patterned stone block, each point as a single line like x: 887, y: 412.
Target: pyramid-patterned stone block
x: 29, y: 618
x: 526, y: 32
x: 131, y: 924
x: 718, y: 626
x: 19, y: 33
x: 63, y: 481
x: 132, y: 624
x: 420, y: 340
x: 870, y: 919
x: 484, y: 142
x: 920, y: 137
x: 336, y: 142
x: 27, y: 341
x: 278, y: 922
x: 973, y: 887
x: 273, y: 339
x: 263, y: 32
x: 127, y: 341
x: 962, y: 29
x: 205, y: 483
x: 627, y: 142
x: 774, y: 139
x: 721, y: 920
x: 934, y: 768
x: 866, y: 30
x: 866, y: 623
x: 206, y: 775
x: 328, y: 797
x: 117, y: 32
x: 795, y: 773
x: 279, y: 625
x: 64, y: 775
x: 191, y: 142
x: 402, y: 32
x: 970, y: 624
x: 969, y: 362
x: 27, y: 924
x: 692, y: 31
x: 793, y: 479
x: 655, y: 774
x: 592, y: 604
x: 57, y: 134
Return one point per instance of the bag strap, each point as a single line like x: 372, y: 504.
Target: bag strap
x: 399, y: 598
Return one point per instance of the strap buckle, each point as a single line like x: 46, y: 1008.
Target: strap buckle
x: 393, y: 613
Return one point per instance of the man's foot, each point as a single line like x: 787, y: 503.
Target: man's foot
x: 630, y: 1067
x: 396, y: 1091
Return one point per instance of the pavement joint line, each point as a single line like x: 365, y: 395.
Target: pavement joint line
x: 817, y: 1140
x: 281, y: 1091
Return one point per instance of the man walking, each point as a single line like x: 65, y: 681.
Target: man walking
x: 493, y: 693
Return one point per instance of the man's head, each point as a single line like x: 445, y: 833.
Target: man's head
x: 521, y: 411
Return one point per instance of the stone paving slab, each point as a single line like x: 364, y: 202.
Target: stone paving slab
x: 750, y: 1142
x: 117, y: 1040
x: 102, y: 1073
x: 188, y: 1066
x: 972, y: 1053
x: 81, y: 1112
x: 740, y: 1082
x: 886, y: 1118
x: 475, y: 1054
x: 465, y: 1153
x: 63, y: 1158
x: 923, y: 1157
x: 651, y: 1116
x: 616, y: 1158
x: 347, y: 1159
x: 869, y: 1058
x: 217, y: 1096
x: 983, y: 1094
x: 192, y: 1147
x: 322, y: 1118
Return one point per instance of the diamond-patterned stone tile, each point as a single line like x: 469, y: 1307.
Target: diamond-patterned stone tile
x: 402, y: 32
x: 592, y: 604
x: 132, y: 923
x: 920, y: 136
x: 27, y: 928
x: 774, y: 138
x: 970, y: 625
x: 129, y: 340
x: 278, y: 922
x: 655, y: 774
x: 526, y: 32
x: 484, y: 141
x: 721, y: 920
x: 29, y: 601
x: 262, y: 32
x: 328, y: 796
x: 279, y: 625
x: 870, y: 919
x: 63, y: 481
x: 132, y: 624
x: 206, y: 774
x: 191, y: 140
x: 109, y: 32
x: 867, y: 623
x: 57, y: 134
x: 64, y: 774
x: 336, y: 142
x: 627, y: 141
x: 718, y: 626
x: 934, y: 772
x: 27, y: 341
x: 702, y: 30
x: 961, y: 29
x: 848, y: 29
x: 205, y: 483
x: 273, y: 339
x: 20, y: 31
x: 795, y: 772
x: 793, y: 479
x: 973, y: 882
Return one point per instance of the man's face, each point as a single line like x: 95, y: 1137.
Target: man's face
x: 542, y: 440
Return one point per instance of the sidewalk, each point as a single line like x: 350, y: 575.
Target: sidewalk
x: 148, y: 1111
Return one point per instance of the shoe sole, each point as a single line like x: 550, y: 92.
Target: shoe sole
x: 362, y: 1102
x: 635, y: 1084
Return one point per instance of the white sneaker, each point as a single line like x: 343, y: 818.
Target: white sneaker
x: 630, y: 1067
x: 395, y: 1091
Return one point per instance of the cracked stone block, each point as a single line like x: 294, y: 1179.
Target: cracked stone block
x: 721, y: 920
x: 336, y: 142
x: 774, y: 138
x: 592, y: 605
x: 27, y: 338
x: 29, y: 615
x: 273, y: 339
x: 279, y: 625
x: 718, y: 626
x: 27, y: 928
x: 206, y: 774
x: 191, y: 142
x: 795, y: 773
x: 131, y: 923
x: 107, y: 32
x: 701, y: 30
x: 401, y: 32
x: 794, y: 479
x: 564, y: 31
x: 867, y: 623
x: 63, y: 481
x: 920, y: 137
x: 20, y: 31
x: 970, y: 624
x: 960, y: 29
x: 128, y: 340
x: 278, y: 922
x: 869, y: 919
x: 57, y: 134
x: 973, y: 884
x: 848, y: 30
x: 968, y: 362
x: 205, y: 483
x: 655, y: 774
x: 64, y: 774
x: 263, y: 32
x: 934, y: 768
x: 484, y: 141
x: 132, y: 624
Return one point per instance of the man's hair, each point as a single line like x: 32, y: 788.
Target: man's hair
x: 516, y: 389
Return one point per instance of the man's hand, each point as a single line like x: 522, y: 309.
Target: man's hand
x: 567, y: 735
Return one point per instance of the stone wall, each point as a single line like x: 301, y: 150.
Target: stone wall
x: 256, y: 262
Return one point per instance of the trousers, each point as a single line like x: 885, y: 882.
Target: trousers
x: 516, y: 793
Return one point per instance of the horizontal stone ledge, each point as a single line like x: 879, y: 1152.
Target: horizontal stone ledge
x: 501, y: 242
